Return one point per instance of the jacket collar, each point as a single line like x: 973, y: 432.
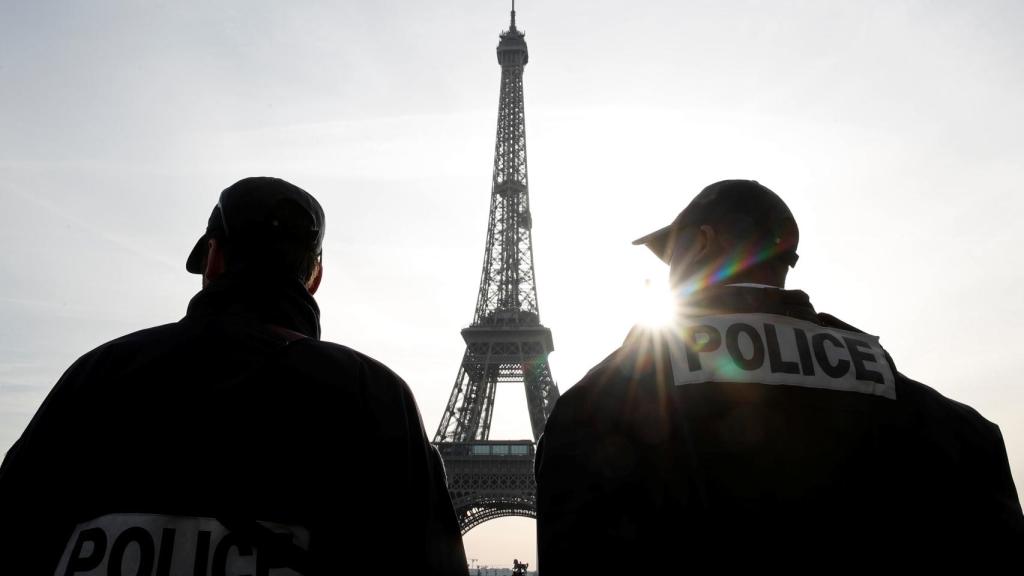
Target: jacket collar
x: 750, y: 299
x: 714, y: 301
x: 283, y: 302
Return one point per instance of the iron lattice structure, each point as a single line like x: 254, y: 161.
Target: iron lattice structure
x: 488, y: 480
x: 506, y: 343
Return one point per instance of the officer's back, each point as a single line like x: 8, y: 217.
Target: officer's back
x: 235, y: 440
x: 756, y: 430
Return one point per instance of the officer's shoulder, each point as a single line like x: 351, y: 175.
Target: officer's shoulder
x: 936, y: 409
x: 339, y: 363
x: 114, y: 356
x: 606, y: 381
x: 143, y: 337
x: 635, y: 355
x: 131, y: 344
x: 930, y: 404
x: 640, y: 349
x: 357, y: 381
x: 829, y: 321
x: 333, y: 351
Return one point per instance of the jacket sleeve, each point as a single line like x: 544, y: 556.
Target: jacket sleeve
x: 446, y: 545
x: 574, y: 492
x: 591, y: 502
x: 38, y: 479
x: 435, y: 529
x: 557, y: 471
x: 999, y: 504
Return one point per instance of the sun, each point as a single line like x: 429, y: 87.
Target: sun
x: 656, y: 306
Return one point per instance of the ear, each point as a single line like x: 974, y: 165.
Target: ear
x: 705, y: 239
x: 691, y: 252
x: 314, y: 282
x: 214, y: 261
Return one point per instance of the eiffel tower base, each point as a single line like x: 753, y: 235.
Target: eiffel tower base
x: 490, y: 479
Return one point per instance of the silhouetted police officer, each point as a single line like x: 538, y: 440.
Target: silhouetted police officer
x: 758, y: 431
x: 234, y: 441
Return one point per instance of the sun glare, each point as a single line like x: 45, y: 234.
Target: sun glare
x: 655, y: 305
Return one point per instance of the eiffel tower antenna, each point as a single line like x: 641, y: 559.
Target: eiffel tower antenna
x: 506, y: 342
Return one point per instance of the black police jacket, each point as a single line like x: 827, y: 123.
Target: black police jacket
x: 232, y: 442
x: 758, y: 431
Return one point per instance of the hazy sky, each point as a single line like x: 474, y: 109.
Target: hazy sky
x: 892, y: 129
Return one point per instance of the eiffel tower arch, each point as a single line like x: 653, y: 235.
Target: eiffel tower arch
x: 506, y: 342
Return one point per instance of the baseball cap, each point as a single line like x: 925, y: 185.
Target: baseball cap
x: 256, y: 213
x: 733, y: 198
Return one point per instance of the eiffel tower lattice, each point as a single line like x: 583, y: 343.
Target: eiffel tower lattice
x: 506, y: 343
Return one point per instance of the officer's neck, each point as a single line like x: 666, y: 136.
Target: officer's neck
x: 774, y: 276
x: 753, y: 285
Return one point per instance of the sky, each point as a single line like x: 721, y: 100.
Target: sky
x: 891, y: 128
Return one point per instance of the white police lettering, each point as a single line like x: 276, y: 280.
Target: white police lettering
x: 155, y: 545
x: 772, y: 349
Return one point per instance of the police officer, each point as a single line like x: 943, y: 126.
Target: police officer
x: 234, y: 441
x: 757, y: 430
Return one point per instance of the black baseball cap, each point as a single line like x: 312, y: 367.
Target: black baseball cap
x: 729, y: 199
x: 253, y: 213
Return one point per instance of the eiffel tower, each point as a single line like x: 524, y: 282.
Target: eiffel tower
x: 506, y: 343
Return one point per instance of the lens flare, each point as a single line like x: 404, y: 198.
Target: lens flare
x: 723, y: 270
x: 657, y: 306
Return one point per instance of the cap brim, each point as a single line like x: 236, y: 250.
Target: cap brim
x: 194, y: 264
x: 658, y: 242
